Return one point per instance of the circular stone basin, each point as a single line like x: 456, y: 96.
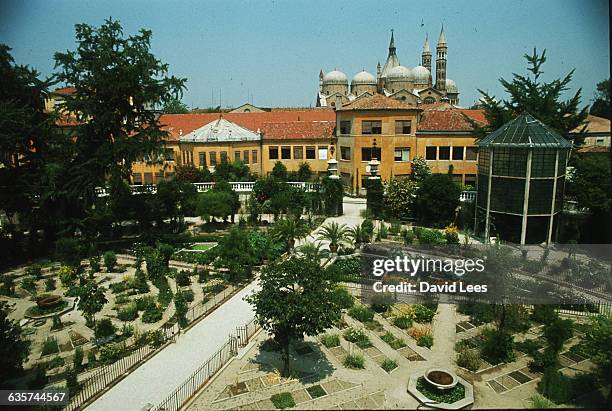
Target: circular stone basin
x: 441, y: 379
x: 45, y: 301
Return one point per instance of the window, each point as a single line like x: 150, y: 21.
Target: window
x: 444, y: 153
x: 457, y: 153
x: 298, y: 152
x: 236, y: 155
x: 345, y: 153
x: 310, y: 153
x: 371, y: 127
x: 322, y: 153
x: 286, y: 153
x: 345, y: 127
x: 202, y: 162
x: 367, y: 153
x: 431, y: 153
x: 471, y: 153
x: 169, y: 154
x: 402, y: 154
x: 213, y: 158
x: 429, y: 100
x: 224, y: 156
x: 254, y: 156
x: 137, y: 179
x: 273, y: 153
x: 403, y: 126
x: 148, y: 178
x: 245, y: 156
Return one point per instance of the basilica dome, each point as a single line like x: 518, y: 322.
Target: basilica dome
x: 363, y: 77
x: 421, y: 75
x: 335, y: 77
x: 400, y: 73
x: 451, y: 87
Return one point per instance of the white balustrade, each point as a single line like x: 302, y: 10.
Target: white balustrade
x: 467, y: 196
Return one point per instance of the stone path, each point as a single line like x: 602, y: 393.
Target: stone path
x: 444, y: 333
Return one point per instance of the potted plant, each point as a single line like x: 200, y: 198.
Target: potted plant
x: 334, y: 233
x: 289, y: 230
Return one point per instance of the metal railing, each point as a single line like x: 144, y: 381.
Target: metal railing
x: 206, y: 371
x: 467, y: 196
x: 237, y: 186
x: 102, y: 379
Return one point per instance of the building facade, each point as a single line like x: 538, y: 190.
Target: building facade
x: 394, y: 80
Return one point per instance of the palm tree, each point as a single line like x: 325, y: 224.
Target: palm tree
x: 289, y: 230
x: 334, y: 233
x: 313, y: 251
x: 357, y: 235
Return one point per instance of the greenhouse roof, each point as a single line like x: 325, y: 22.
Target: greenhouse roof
x: 525, y: 131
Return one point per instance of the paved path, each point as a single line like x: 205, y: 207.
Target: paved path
x: 153, y: 381
x: 444, y: 333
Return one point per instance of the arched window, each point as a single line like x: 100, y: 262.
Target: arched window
x: 429, y: 100
x: 247, y: 110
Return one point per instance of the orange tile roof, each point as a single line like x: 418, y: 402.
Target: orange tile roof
x: 594, y: 125
x: 376, y: 102
x: 65, y: 91
x: 177, y: 124
x: 448, y: 119
x: 298, y: 130
x: 594, y: 149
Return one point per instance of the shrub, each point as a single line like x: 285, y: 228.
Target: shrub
x: 425, y: 341
x: 122, y: 299
x: 203, y: 276
x: 528, y: 346
x: 69, y: 251
x: 110, y: 353
x: 388, y: 365
x: 540, y: 402
x: 165, y: 293
x: 49, y: 284
x: 358, y: 337
x: 361, y: 313
x: 188, y: 295
x: 316, y: 391
x: 155, y: 338
x: 544, y: 313
x: 344, y: 298
x: 94, y: 263
x: 104, y: 328
x: 354, y: 361
x: 110, y: 260
x: 140, y: 282
x: 403, y: 322
x: 152, y: 314
x: 542, y: 361
x: 497, y: 346
x: 283, y: 400
x: 29, y: 284
x: 182, y: 278
x: 451, y: 234
x: 516, y: 318
x: 67, y: 275
x: 555, y: 386
x: 407, y: 236
x: 8, y: 285
x: 143, y: 302
x: 181, y: 308
x: 128, y: 313
x: 432, y: 237
x: 72, y: 382
x: 469, y: 359
x: 91, y: 359
x: 119, y: 287
x: 50, y: 346
x: 557, y: 332
x: 77, y: 360
x: 35, y: 270
x: 381, y: 302
x: 423, y: 314
x: 330, y: 340
x: 54, y: 363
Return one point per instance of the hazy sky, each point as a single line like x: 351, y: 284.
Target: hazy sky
x: 275, y: 49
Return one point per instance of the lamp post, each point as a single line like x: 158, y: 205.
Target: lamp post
x: 332, y: 165
x: 374, y: 163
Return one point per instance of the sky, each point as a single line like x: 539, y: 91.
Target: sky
x: 270, y: 52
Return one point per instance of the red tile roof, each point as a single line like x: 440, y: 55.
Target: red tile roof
x: 65, y: 91
x: 449, y: 119
x: 185, y: 123
x: 376, y: 102
x: 594, y: 124
x: 298, y: 130
x: 594, y: 149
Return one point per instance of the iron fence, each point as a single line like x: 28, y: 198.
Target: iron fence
x: 102, y: 379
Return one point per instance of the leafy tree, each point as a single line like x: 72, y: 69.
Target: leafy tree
x: 69, y: 251
x: 374, y: 197
x: 181, y: 309
x: 13, y: 348
x: 91, y: 300
x: 175, y: 106
x: 399, y: 195
x: 220, y: 204
x: 419, y: 170
x: 118, y: 84
x: 296, y: 298
x: 235, y: 252
x: 304, y: 173
x: 333, y: 193
x: 436, y: 200
x: 189, y: 174
x: 279, y: 171
x: 590, y: 182
x: 598, y: 340
x: 601, y: 106
x: 110, y: 260
x: 234, y: 171
x: 313, y: 251
x: 289, y: 230
x: 529, y: 94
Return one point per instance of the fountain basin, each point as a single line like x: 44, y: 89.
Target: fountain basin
x: 441, y: 379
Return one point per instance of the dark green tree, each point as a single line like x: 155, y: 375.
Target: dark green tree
x: 437, y: 200
x: 13, y: 349
x: 118, y: 84
x: 175, y: 106
x: 374, y: 197
x: 189, y: 174
x: 296, y: 298
x: 529, y: 94
x: 235, y: 252
x: 304, y: 173
x: 590, y: 182
x: 279, y: 171
x: 91, y: 300
x: 601, y: 105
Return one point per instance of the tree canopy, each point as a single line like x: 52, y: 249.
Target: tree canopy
x: 175, y: 106
x: 602, y: 106
x: 436, y: 200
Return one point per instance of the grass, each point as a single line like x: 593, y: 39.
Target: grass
x: 354, y: 361
x: 539, y: 402
x: 283, y: 400
x: 50, y: 346
x: 330, y: 340
x: 388, y: 365
x: 316, y: 391
x: 202, y: 247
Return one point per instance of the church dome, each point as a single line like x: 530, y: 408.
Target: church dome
x: 421, y: 75
x: 451, y: 87
x: 400, y: 73
x: 335, y: 77
x: 363, y: 77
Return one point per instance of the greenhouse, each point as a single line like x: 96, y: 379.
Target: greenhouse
x: 521, y: 178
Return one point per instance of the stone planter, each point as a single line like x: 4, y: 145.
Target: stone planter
x: 467, y: 400
x: 441, y: 379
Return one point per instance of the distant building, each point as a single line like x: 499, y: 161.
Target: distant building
x: 597, y: 132
x: 413, y: 85
x: 249, y: 108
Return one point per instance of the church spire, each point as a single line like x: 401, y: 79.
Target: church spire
x: 392, y: 44
x: 426, y: 55
x: 426, y: 45
x: 442, y: 38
